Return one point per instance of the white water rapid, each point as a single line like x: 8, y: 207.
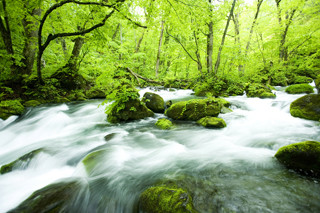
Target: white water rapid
x: 227, y: 170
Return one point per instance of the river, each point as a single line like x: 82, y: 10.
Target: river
x: 227, y: 170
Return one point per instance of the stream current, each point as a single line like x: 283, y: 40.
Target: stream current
x: 226, y: 170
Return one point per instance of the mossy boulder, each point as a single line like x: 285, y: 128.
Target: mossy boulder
x: 32, y: 103
x: 303, y: 157
x: 259, y: 90
x: 165, y: 198
x: 194, y: 109
x: 299, y: 88
x: 61, y: 100
x: 20, y: 163
x: 133, y: 109
x: 154, y: 102
x: 92, y: 160
x: 57, y: 197
x: 10, y: 107
x: 164, y: 123
x: 307, y: 107
x: 212, y: 122
x: 95, y: 93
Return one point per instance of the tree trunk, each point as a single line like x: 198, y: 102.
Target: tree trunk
x: 283, y: 48
x: 216, y: 67
x: 198, y: 54
x: 210, y: 42
x: 159, y: 48
x: 73, y: 60
x: 235, y: 19
x: 30, y: 48
x: 139, y: 42
x: 5, y: 30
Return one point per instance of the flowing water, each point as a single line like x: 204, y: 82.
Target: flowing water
x: 227, y: 170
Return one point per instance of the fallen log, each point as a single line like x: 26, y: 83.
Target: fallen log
x: 137, y: 76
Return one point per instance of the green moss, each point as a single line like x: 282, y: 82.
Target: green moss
x: 259, y: 90
x: 212, y: 122
x: 10, y: 107
x: 301, y: 80
x: 32, y: 103
x: 317, y: 82
x: 307, y: 107
x: 194, y: 109
x: 164, y: 198
x: 303, y: 157
x: 154, y: 102
x: 95, y: 93
x: 61, y: 100
x: 299, y: 88
x: 92, y: 160
x: 20, y: 163
x: 163, y: 123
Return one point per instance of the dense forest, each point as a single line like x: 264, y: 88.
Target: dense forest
x: 56, y: 51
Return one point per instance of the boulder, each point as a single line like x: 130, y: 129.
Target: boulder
x: 10, y: 107
x: 57, y: 197
x: 133, y: 109
x: 92, y: 160
x: 32, y: 103
x: 303, y: 157
x: 307, y: 107
x: 165, y: 198
x: 168, y: 103
x: 259, y: 90
x: 194, y: 109
x: 154, y: 102
x: 20, y: 163
x: 212, y: 122
x: 164, y: 123
x: 299, y: 88
x: 69, y: 79
x: 95, y: 93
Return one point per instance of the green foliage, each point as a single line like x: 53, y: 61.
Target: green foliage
x: 10, y: 107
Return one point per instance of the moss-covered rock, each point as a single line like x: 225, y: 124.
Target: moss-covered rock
x: 164, y: 123
x: 154, y: 102
x: 20, y: 163
x: 303, y: 157
x: 57, y: 197
x: 95, y: 93
x: 165, y: 198
x: 299, y: 88
x: 10, y: 107
x: 168, y: 103
x: 194, y: 109
x: 259, y: 90
x: 212, y: 122
x: 32, y: 103
x: 61, y: 100
x: 69, y: 79
x: 307, y: 107
x: 92, y: 160
x: 133, y: 109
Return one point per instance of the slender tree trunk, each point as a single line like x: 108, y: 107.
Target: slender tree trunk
x: 73, y: 60
x: 116, y: 32
x: 283, y: 48
x: 216, y: 67
x: 159, y: 48
x: 210, y: 42
x: 30, y: 48
x: 121, y: 38
x: 139, y: 42
x: 235, y: 19
x: 197, y: 53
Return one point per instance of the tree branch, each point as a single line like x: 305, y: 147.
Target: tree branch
x: 143, y: 78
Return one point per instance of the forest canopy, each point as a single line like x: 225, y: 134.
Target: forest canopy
x: 52, y: 47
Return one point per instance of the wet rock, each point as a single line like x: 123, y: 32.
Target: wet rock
x: 168, y: 103
x: 10, y: 107
x: 259, y: 90
x: 154, y: 102
x: 307, y: 107
x: 166, y: 198
x: 194, y: 109
x: 299, y: 88
x: 57, y: 197
x: 92, y: 162
x: 303, y: 157
x: 164, y: 123
x: 21, y: 162
x: 133, y: 109
x: 212, y: 122
x: 110, y: 136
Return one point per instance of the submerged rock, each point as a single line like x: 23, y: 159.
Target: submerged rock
x: 164, y: 123
x: 154, y: 102
x: 212, y: 122
x: 93, y: 161
x: 259, y: 90
x: 57, y: 197
x: 10, y: 107
x: 307, y: 107
x: 133, y: 109
x: 21, y: 162
x: 166, y: 198
x: 194, y: 109
x: 303, y: 157
x: 299, y: 88
x: 108, y: 137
